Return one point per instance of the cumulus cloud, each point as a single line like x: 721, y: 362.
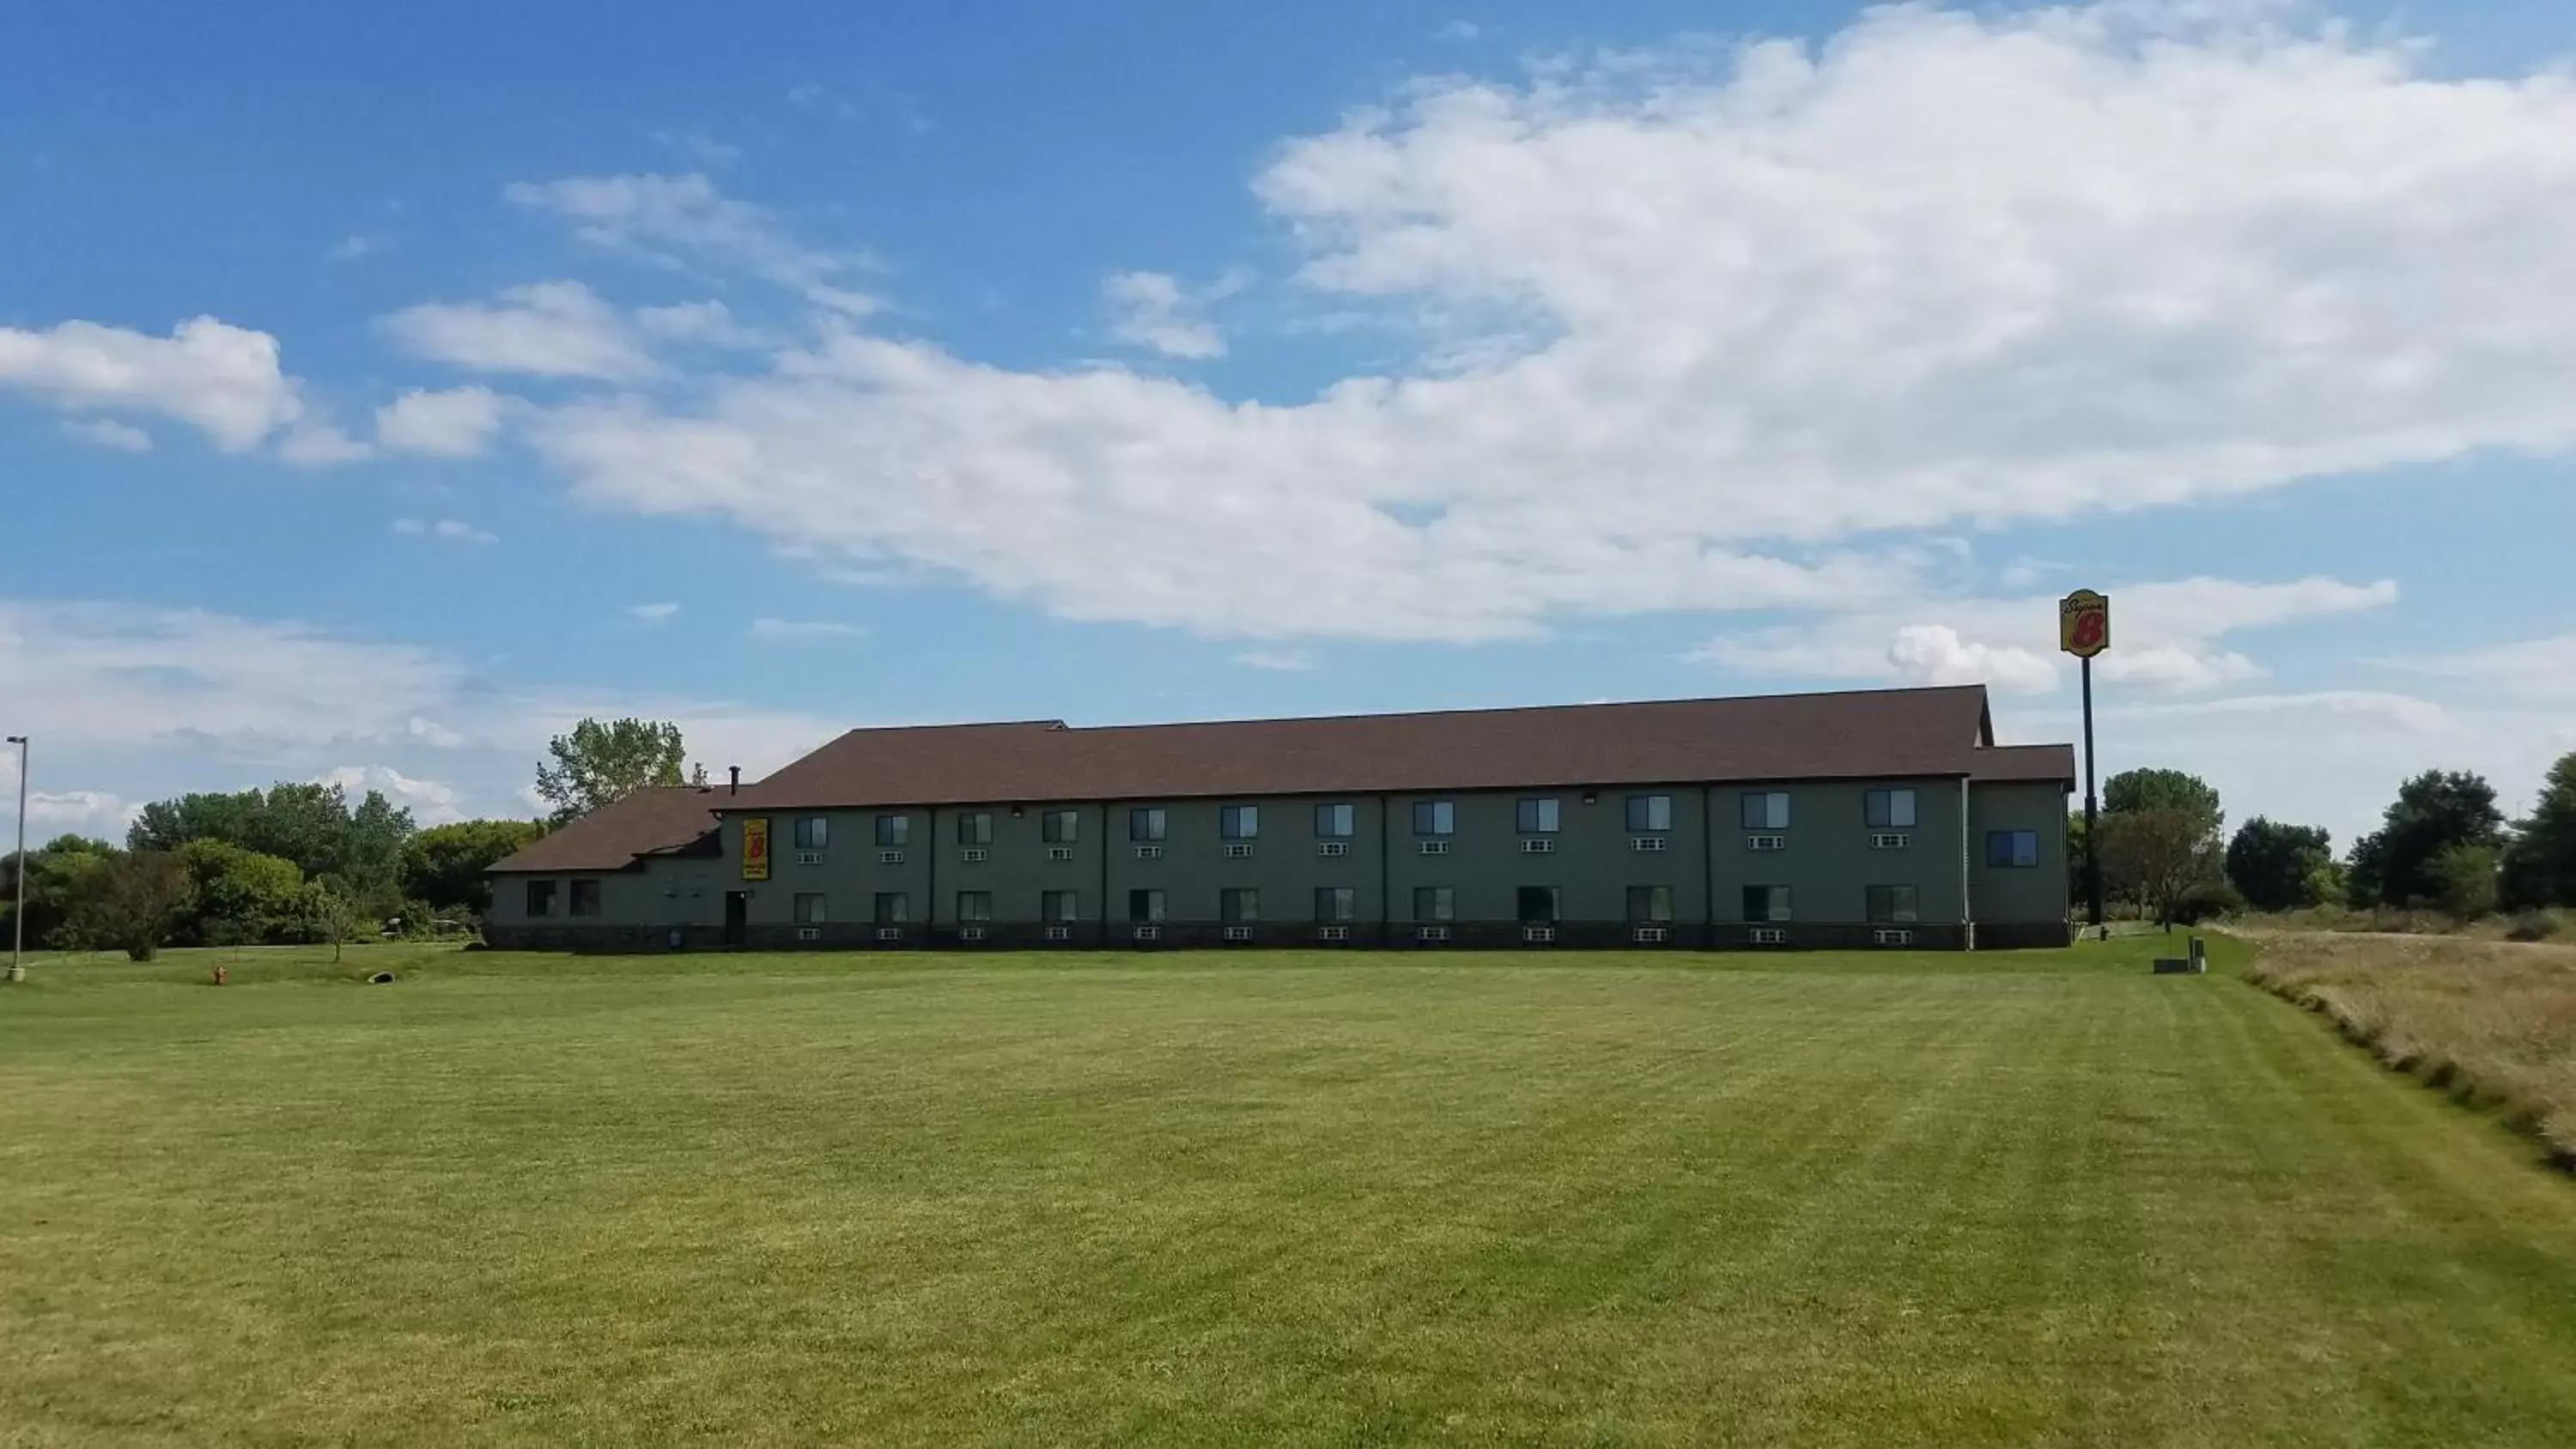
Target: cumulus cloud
x: 217, y: 377
x: 1935, y: 654
x: 109, y: 433
x: 430, y: 802
x: 711, y: 323
x: 2537, y: 669
x: 1151, y: 310
x: 1694, y: 327
x: 549, y: 329
x: 793, y: 631
x: 447, y: 530
x: 685, y: 221
x: 457, y: 423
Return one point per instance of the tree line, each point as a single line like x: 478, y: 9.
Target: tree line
x: 298, y: 862
x: 2442, y: 844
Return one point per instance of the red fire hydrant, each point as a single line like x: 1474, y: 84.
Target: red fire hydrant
x: 220, y: 976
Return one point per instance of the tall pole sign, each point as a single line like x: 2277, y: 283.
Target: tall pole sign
x: 2084, y: 630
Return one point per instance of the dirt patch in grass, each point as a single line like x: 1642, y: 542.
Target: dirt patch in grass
x: 2493, y: 1022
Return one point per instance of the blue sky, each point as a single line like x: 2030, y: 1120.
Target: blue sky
x: 382, y: 390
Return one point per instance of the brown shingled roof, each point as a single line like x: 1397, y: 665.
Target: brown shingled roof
x: 1856, y: 734
x: 656, y: 820
x: 2033, y: 764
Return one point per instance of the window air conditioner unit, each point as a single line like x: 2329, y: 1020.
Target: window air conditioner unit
x: 808, y: 933
x: 1539, y: 934
x: 1647, y: 844
x: 1059, y: 852
x: 1238, y: 933
x: 1149, y: 933
x: 1770, y: 936
x: 1432, y: 933
x: 1238, y: 851
x: 1059, y: 933
x: 974, y: 857
x: 1333, y: 847
x: 1333, y: 933
x: 1653, y: 935
x: 1893, y: 937
x: 1435, y: 847
x: 1766, y: 842
x: 1149, y: 852
x: 889, y: 857
x: 809, y: 857
x: 970, y: 933
x: 1890, y: 840
x: 1540, y: 846
x: 889, y: 933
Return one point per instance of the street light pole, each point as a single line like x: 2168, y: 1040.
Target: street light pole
x: 18, y: 902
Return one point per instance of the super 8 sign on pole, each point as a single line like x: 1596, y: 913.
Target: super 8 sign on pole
x: 2084, y: 623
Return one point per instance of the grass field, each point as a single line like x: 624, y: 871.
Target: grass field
x: 2026, y: 1199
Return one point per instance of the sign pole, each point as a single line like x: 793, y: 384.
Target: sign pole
x: 2092, y: 833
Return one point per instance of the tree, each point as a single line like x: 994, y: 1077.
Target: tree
x: 2540, y: 864
x: 306, y: 822
x: 444, y: 864
x: 2131, y: 791
x: 242, y: 897
x: 2464, y: 879
x: 2279, y: 867
x: 600, y: 764
x: 131, y: 902
x: 54, y: 872
x: 2158, y: 857
x: 2393, y: 865
x: 332, y: 914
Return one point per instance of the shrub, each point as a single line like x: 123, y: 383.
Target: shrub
x: 2532, y: 926
x: 2207, y: 902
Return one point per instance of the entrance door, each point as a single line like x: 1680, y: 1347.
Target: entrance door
x: 737, y: 916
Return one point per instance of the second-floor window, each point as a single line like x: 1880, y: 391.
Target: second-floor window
x: 1061, y: 827
x: 1336, y: 903
x: 2010, y: 849
x: 1766, y: 903
x: 1766, y: 809
x: 1238, y: 822
x: 1435, y: 817
x: 1648, y: 813
x: 975, y: 827
x: 1147, y: 822
x: 1435, y: 903
x: 1538, y: 816
x: 1650, y: 903
x: 1236, y: 905
x: 813, y: 832
x: 1894, y: 903
x: 1888, y: 809
x: 894, y: 830
x: 1335, y: 822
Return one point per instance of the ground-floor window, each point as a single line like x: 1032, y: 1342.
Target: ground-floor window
x: 541, y: 898
x: 1894, y: 903
x: 1336, y: 903
x: 1435, y: 903
x: 894, y: 908
x: 1766, y: 903
x: 809, y: 909
x: 1144, y: 906
x: 1060, y: 905
x: 974, y: 906
x: 1238, y: 904
x: 1538, y: 905
x: 585, y: 898
x: 1650, y: 903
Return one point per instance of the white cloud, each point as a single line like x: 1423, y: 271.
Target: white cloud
x: 352, y: 247
x: 449, y: 530
x: 1934, y: 654
x: 711, y: 323
x: 457, y: 423
x: 1458, y: 30
x: 685, y: 220
x: 314, y: 443
x: 2537, y: 669
x: 1687, y: 325
x: 1150, y: 309
x: 1277, y: 659
x: 93, y: 813
x: 429, y: 801
x: 109, y: 433
x: 220, y: 378
x: 653, y: 613
x: 550, y: 329
x: 788, y: 631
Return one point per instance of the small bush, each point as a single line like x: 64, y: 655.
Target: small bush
x: 2207, y: 902
x: 2532, y: 926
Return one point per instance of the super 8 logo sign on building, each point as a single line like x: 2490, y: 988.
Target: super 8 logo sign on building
x: 755, y: 849
x: 2084, y: 623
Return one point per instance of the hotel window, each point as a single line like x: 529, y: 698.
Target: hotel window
x: 809, y: 909
x: 1145, y: 907
x: 1648, y: 813
x: 1238, y: 822
x: 1888, y: 809
x: 1435, y: 903
x: 974, y: 907
x: 893, y: 908
x: 1538, y: 816
x: 1147, y: 823
x: 585, y: 898
x: 894, y: 830
x: 1236, y: 905
x: 1334, y: 822
x: 1650, y: 903
x: 1059, y: 906
x: 1766, y: 903
x: 1336, y: 903
x: 1766, y: 810
x: 975, y: 827
x: 1894, y: 903
x: 2012, y: 848
x: 541, y: 898
x: 1435, y: 817
x: 813, y: 832
x: 1061, y: 827
x: 1538, y: 905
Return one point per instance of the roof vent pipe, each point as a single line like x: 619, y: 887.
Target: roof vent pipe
x: 734, y: 773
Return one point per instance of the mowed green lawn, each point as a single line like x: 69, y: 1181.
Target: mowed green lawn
x: 2011, y: 1199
